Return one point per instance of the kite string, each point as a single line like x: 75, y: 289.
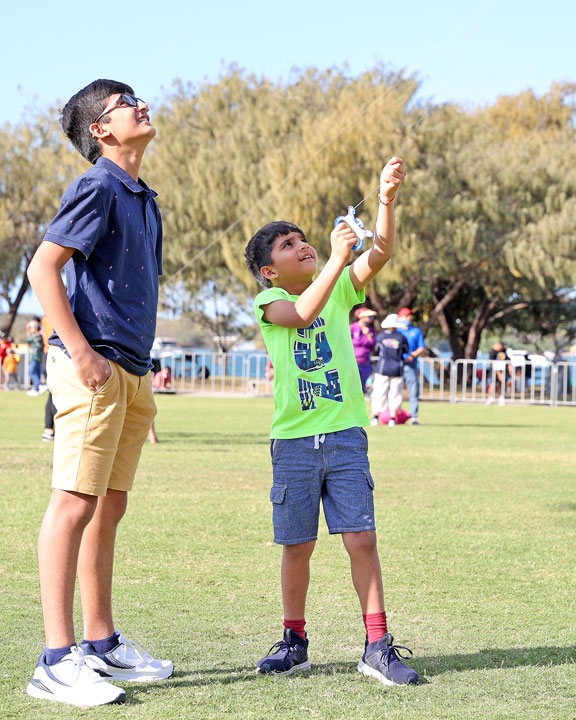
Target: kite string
x: 423, y: 114
x: 483, y: 11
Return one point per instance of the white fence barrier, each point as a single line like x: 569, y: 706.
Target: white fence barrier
x: 486, y: 381
x: 498, y: 381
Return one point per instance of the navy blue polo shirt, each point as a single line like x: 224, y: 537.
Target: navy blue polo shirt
x: 113, y: 223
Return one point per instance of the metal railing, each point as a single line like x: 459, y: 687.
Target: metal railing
x: 475, y: 381
x: 498, y: 381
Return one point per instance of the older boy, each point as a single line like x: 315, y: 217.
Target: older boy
x: 319, y: 447
x: 108, y: 233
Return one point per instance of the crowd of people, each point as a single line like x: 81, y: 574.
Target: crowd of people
x: 389, y: 359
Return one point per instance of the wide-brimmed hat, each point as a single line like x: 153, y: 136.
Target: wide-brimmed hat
x: 390, y: 321
x: 364, y: 312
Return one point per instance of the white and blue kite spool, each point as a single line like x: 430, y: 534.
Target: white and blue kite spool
x: 357, y: 227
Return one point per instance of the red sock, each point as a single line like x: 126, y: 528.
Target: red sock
x: 296, y: 625
x: 375, y: 625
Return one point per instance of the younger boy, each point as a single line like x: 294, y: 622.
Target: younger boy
x: 108, y: 233
x: 319, y: 447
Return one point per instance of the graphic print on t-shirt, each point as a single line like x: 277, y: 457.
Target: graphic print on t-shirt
x: 309, y: 361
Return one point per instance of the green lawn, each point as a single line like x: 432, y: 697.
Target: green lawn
x: 476, y: 510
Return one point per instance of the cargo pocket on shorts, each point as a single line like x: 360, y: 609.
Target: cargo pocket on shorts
x: 279, y: 511
x: 369, y: 493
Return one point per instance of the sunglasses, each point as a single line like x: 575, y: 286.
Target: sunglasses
x: 121, y: 101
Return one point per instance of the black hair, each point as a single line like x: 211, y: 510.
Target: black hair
x: 81, y: 111
x: 258, y: 250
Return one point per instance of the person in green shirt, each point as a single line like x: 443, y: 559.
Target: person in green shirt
x: 34, y: 339
x: 318, y: 443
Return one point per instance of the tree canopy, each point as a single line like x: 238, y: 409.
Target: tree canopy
x: 486, y: 232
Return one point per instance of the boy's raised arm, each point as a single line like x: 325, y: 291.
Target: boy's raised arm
x: 305, y: 310
x: 369, y: 264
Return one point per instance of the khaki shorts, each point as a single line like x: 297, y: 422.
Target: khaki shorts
x: 98, y: 436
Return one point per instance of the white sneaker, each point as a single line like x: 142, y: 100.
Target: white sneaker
x: 127, y: 661
x: 374, y: 421
x: 72, y: 682
x: 42, y: 389
x: 391, y: 423
x: 33, y: 393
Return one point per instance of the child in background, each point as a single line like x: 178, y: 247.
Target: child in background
x: 36, y: 343
x: 10, y: 368
x: 391, y: 345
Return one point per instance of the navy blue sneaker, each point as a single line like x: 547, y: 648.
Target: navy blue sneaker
x: 383, y: 661
x: 291, y: 655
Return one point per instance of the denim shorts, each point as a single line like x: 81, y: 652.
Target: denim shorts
x: 333, y: 467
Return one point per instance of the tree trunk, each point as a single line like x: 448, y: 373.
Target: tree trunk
x: 478, y: 324
x: 441, y: 303
x: 13, y: 305
x: 410, y: 293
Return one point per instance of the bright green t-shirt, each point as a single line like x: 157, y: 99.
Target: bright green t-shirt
x: 317, y: 385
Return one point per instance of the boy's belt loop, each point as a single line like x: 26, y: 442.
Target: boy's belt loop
x: 317, y: 440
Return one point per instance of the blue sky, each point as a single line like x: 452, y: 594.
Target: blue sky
x: 50, y: 50
x: 463, y: 51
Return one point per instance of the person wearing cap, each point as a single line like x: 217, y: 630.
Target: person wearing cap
x: 363, y: 340
x: 391, y: 346
x: 417, y: 347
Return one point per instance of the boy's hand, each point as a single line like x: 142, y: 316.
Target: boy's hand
x: 92, y: 369
x: 342, y: 240
x: 391, y: 177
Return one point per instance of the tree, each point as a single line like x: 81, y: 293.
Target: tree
x: 487, y: 224
x: 235, y: 155
x: 36, y: 167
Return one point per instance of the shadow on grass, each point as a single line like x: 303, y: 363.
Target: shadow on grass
x: 229, y: 676
x: 427, y: 667
x: 566, y: 507
x: 482, y: 425
x: 216, y: 439
x: 496, y: 659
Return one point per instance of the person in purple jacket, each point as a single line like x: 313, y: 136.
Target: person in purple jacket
x: 363, y: 340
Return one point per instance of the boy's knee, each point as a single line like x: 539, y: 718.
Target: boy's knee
x: 113, y: 505
x: 76, y: 509
x: 360, y: 542
x: 299, y: 551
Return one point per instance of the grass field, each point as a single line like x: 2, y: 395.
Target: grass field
x: 476, y: 510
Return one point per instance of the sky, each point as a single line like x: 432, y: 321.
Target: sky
x: 461, y: 51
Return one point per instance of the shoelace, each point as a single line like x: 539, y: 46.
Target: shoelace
x: 392, y: 653
x: 282, y: 645
x: 128, y: 645
x: 78, y: 661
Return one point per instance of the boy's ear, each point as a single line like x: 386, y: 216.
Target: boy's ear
x: 98, y: 131
x: 269, y: 272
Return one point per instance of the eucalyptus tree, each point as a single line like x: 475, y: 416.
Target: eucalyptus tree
x: 36, y: 165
